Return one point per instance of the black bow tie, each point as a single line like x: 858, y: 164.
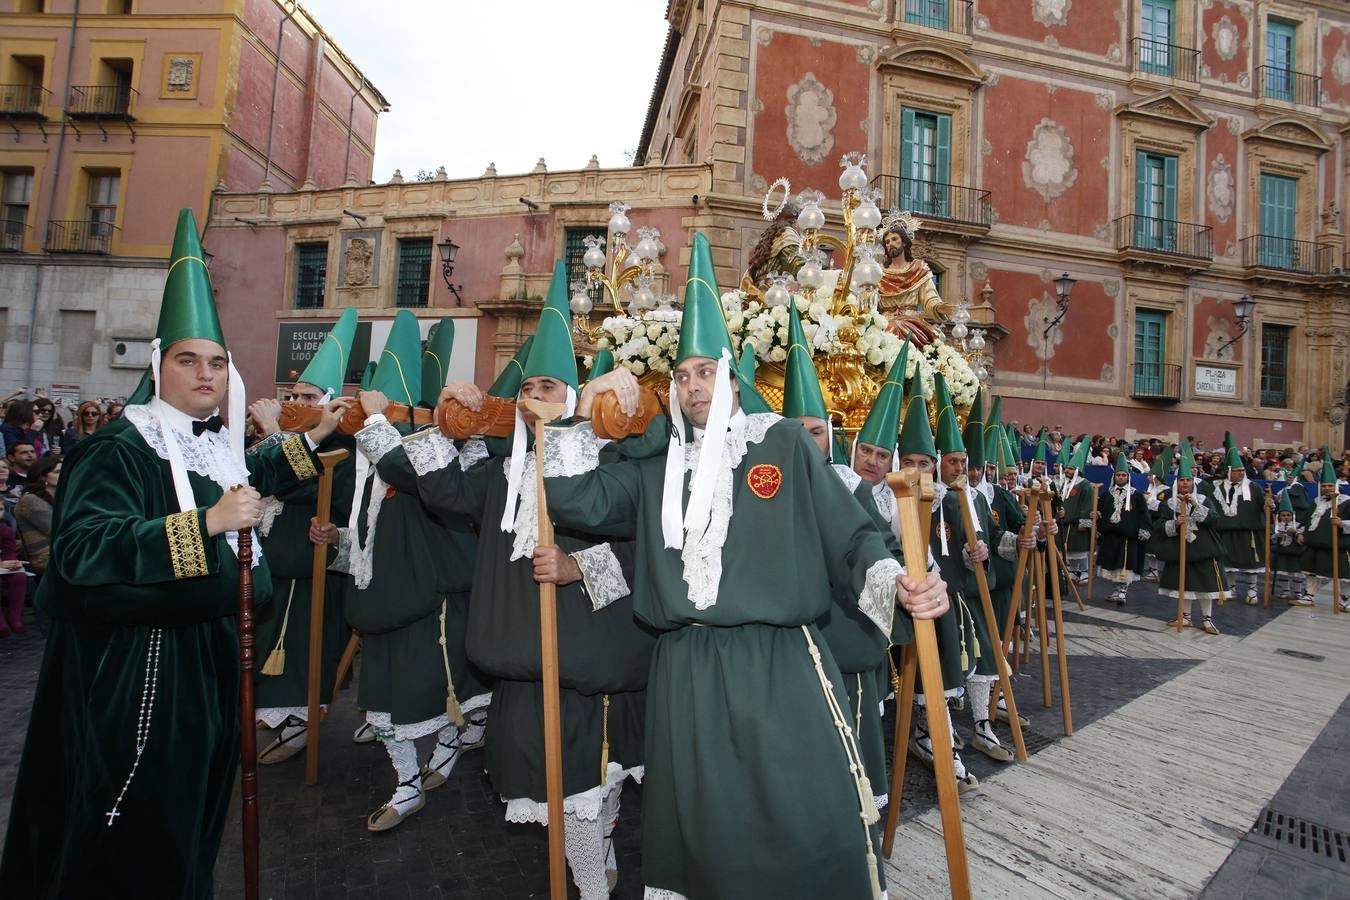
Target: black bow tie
x: 215, y: 423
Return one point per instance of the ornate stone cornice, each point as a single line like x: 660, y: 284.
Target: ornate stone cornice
x: 1167, y: 106
x: 922, y: 58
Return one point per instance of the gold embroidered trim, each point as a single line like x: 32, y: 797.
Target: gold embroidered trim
x: 298, y: 457
x: 187, y: 553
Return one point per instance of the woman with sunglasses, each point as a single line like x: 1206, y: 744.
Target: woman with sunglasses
x: 49, y: 422
x: 21, y: 425
x: 88, y: 418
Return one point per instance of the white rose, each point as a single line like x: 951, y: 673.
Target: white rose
x: 777, y: 354
x: 637, y: 367
x: 874, y: 357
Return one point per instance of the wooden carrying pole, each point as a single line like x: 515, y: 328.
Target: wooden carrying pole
x: 1270, y: 500
x: 909, y: 486
x: 1092, y: 541
x: 248, y: 735
x: 548, y: 640
x: 345, y: 664
x: 987, y: 605
x: 904, y: 681
x: 1066, y: 707
x: 1183, y: 503
x: 324, y: 512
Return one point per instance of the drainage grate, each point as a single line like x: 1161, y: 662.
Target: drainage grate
x: 1300, y: 834
x: 1299, y: 654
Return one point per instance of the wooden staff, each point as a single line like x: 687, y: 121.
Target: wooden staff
x: 1092, y: 541
x: 1270, y: 502
x: 987, y: 604
x: 248, y: 735
x: 1066, y: 706
x: 1183, y: 504
x: 328, y: 461
x: 1039, y: 565
x: 345, y: 663
x: 1335, y: 556
x: 909, y: 486
x: 548, y: 641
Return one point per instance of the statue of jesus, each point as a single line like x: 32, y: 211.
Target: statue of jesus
x: 906, y: 294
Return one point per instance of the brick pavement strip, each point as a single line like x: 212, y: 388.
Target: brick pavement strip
x: 459, y: 847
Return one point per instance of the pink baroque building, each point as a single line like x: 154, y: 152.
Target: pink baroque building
x: 116, y: 114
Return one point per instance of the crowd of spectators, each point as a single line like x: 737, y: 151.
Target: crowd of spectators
x: 36, y: 437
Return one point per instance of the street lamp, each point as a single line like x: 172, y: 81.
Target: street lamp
x: 449, y: 250
x: 1064, y: 289
x: 1242, y: 307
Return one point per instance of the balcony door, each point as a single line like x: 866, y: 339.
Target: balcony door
x: 1150, y: 351
x: 925, y: 162
x: 1155, y: 201
x: 1280, y: 59
x: 1279, y: 217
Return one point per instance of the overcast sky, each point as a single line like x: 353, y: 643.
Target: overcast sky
x: 502, y: 81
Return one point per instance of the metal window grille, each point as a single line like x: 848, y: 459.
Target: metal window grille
x: 414, y: 272
x: 1275, y: 365
x: 311, y: 273
x: 574, y: 249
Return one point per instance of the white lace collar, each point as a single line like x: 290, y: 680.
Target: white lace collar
x: 702, y: 552
x: 208, y: 454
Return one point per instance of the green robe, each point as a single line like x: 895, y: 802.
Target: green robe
x: 1244, y: 534
x: 129, y: 571
x: 418, y: 593
x: 1204, y: 554
x: 1077, y: 510
x: 1005, y: 512
x: 1120, y: 551
x: 1317, y: 540
x: 291, y: 557
x: 974, y: 647
x: 748, y: 791
x: 603, y: 655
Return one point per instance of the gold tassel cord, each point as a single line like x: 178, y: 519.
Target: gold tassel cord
x: 452, y: 710
x: 276, y: 660
x: 604, y: 738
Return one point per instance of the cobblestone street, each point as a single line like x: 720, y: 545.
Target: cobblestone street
x: 315, y: 844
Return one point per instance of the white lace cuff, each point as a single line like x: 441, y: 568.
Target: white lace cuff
x: 430, y: 451
x: 1170, y: 526
x: 377, y: 439
x: 270, y: 441
x: 570, y: 451
x: 603, y: 575
x: 473, y: 453
x: 878, y: 597
x: 1199, y: 512
x: 271, y: 508
x: 343, y: 563
x: 1007, y: 545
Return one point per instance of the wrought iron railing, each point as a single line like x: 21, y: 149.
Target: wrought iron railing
x: 1171, y: 60
x: 22, y: 99
x: 1279, y: 83
x: 947, y: 15
x: 78, y: 236
x: 934, y: 199
x: 11, y: 235
x: 1155, y: 381
x: 1267, y: 251
x: 1164, y: 236
x: 96, y: 100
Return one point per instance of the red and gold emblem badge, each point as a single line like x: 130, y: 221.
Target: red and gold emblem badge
x: 765, y: 480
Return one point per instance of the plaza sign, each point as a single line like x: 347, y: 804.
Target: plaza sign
x: 1216, y: 381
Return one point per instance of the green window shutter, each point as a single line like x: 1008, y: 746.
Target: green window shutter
x: 1170, y: 188
x: 1141, y: 223
x: 1150, y: 349
x: 943, y: 174
x: 907, y: 158
x: 1280, y: 56
x: 1278, y: 221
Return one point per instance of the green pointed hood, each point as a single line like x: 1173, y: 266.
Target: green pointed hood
x: 1186, y: 468
x: 801, y: 385
x: 603, y: 364
x: 436, y: 360
x: 1079, y: 458
x: 398, y: 375
x: 1065, y: 452
x: 145, y: 390
x: 1122, y: 464
x: 1234, y: 457
x: 188, y: 309
x: 992, y: 441
x: 1328, y: 470
x: 1042, y: 448
x: 1284, y: 505
x: 703, y: 327
x: 507, y: 385
x: 948, y: 429
x: 752, y: 401
x: 916, y: 434
x: 1008, y: 455
x: 973, y: 435
x: 368, y: 376
x: 883, y: 420
x: 327, y: 369
x: 552, y: 353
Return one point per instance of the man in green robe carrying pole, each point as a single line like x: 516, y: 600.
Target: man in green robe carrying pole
x: 283, y: 627
x: 1126, y: 527
x: 754, y: 786
x: 1241, y: 526
x: 1204, y: 551
x: 1077, y: 493
x: 133, y: 742
x: 1330, y: 510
